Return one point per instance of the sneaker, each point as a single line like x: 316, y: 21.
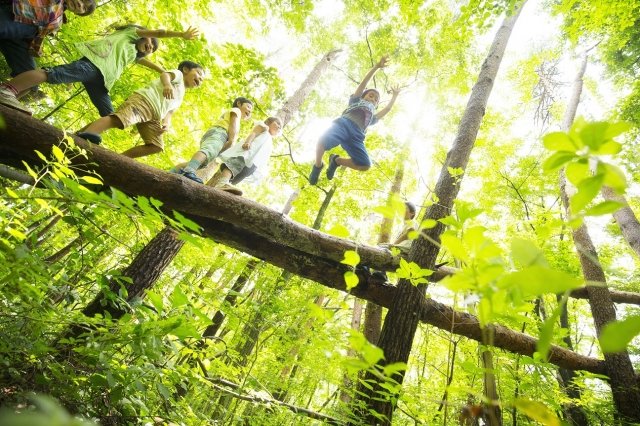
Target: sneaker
x: 333, y: 166
x: 315, y: 174
x: 229, y: 188
x: 91, y: 137
x: 190, y: 175
x: 7, y: 98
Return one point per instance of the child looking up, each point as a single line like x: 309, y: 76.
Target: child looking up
x: 150, y: 109
x: 24, y: 24
x: 254, y: 153
x: 102, y: 63
x: 349, y: 130
x: 217, y: 139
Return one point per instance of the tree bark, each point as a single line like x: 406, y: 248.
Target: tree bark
x: 626, y: 219
x: 619, y: 367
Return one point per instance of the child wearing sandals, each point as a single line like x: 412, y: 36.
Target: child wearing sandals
x: 253, y: 153
x: 150, y: 109
x: 217, y: 139
x: 349, y: 130
x: 102, y: 63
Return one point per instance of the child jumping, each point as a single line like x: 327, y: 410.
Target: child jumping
x: 150, y: 109
x: 253, y: 153
x: 102, y: 63
x: 217, y: 139
x: 349, y: 130
x: 24, y: 25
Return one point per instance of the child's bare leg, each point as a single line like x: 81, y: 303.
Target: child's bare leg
x: 104, y: 123
x: 319, y: 154
x: 142, y: 151
x: 348, y: 162
x: 222, y: 176
x: 27, y: 80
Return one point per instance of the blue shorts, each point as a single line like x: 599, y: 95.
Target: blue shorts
x: 83, y: 71
x: 348, y: 135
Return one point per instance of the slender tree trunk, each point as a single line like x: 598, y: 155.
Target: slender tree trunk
x: 356, y: 319
x: 619, y: 367
x: 373, y: 312
x: 626, y: 219
x: 402, y: 319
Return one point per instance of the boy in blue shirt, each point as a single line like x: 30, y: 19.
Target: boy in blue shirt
x: 349, y: 130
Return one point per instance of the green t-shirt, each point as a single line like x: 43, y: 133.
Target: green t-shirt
x: 111, y: 54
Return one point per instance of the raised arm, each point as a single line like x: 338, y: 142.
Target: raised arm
x: 363, y: 84
x: 191, y: 33
x: 147, y: 63
x: 167, y: 88
x: 395, y: 90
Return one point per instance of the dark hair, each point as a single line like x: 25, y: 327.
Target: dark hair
x: 189, y: 65
x: 370, y: 90
x: 411, y: 207
x: 90, y: 7
x: 270, y: 120
x: 154, y: 40
x: 239, y: 101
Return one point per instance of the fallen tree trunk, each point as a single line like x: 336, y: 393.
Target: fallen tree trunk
x: 234, y: 221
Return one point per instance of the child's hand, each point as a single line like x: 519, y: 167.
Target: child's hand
x: 164, y: 128
x: 167, y: 92
x: 395, y: 90
x: 246, y: 146
x: 191, y: 33
x: 383, y: 61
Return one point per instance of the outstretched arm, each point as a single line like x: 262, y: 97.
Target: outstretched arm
x: 363, y: 84
x: 257, y: 130
x: 187, y: 35
x: 395, y: 90
x: 147, y: 63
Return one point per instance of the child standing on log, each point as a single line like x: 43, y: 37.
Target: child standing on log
x: 253, y: 153
x: 349, y: 130
x: 102, y: 63
x: 217, y: 139
x: 150, y: 109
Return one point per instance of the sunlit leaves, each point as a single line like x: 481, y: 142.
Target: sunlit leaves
x: 616, y: 335
x: 537, y: 411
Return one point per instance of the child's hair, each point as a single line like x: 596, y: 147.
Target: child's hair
x: 411, y: 207
x: 370, y: 90
x: 271, y: 120
x: 90, y: 7
x: 189, y: 65
x: 239, y: 101
x: 154, y: 40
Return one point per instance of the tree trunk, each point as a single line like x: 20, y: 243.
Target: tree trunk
x: 619, y: 367
x: 402, y: 319
x: 373, y: 312
x: 626, y: 219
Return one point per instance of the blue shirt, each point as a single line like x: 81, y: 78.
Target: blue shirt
x: 361, y: 112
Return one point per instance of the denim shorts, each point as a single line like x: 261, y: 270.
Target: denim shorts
x: 348, y: 135
x: 83, y: 71
x: 15, y: 39
x: 212, y: 142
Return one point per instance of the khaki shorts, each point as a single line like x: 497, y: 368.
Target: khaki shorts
x: 136, y: 110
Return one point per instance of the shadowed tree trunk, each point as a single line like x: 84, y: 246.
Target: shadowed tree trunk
x: 406, y: 308
x: 619, y: 367
x: 143, y: 272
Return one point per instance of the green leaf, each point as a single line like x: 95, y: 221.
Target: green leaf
x: 527, y: 253
x: 537, y: 280
x: 454, y: 245
x: 428, y: 224
x: 390, y: 370
x: 593, y: 134
x: 91, y: 180
x: 559, y: 141
x: 615, y: 129
x: 372, y: 354
x: 156, y: 300
x: 351, y: 258
x: 178, y: 298
x: 351, y: 280
x: 57, y: 152
x: 609, y: 148
x: 606, y: 207
x: 577, y: 171
x: 557, y: 160
x: 187, y: 223
x: 587, y: 191
x: 339, y: 231
x: 162, y: 389
x: 537, y: 411
x: 616, y: 335
x: 614, y: 178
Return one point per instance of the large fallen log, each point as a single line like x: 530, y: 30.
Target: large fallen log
x: 264, y: 233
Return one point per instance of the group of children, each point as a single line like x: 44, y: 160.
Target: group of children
x: 25, y: 23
